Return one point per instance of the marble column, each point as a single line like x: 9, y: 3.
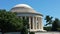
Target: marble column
x: 29, y: 22
x: 36, y: 23
x: 41, y: 24
x: 33, y: 23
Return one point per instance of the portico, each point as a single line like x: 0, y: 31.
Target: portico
x: 35, y: 23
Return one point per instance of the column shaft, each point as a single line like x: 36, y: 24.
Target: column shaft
x: 36, y: 23
x: 40, y: 27
x: 33, y: 22
x: 41, y: 24
x: 29, y: 23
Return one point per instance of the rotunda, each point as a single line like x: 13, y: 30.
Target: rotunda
x: 26, y: 12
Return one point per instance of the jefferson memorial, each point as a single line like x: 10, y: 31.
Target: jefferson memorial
x: 35, y: 18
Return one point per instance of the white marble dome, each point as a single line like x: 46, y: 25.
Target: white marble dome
x: 23, y: 5
x: 23, y: 8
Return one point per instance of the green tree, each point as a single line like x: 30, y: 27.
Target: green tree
x: 48, y: 28
x: 9, y: 22
x: 25, y: 26
x: 55, y: 24
x: 48, y: 20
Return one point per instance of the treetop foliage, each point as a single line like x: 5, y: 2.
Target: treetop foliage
x: 9, y: 21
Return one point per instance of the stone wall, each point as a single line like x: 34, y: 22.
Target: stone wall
x: 47, y: 33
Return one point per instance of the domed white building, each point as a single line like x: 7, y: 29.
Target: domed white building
x: 27, y: 12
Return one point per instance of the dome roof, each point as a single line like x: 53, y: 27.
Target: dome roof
x: 23, y: 8
x: 23, y: 5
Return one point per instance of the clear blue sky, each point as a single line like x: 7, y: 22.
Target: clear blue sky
x: 46, y: 7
